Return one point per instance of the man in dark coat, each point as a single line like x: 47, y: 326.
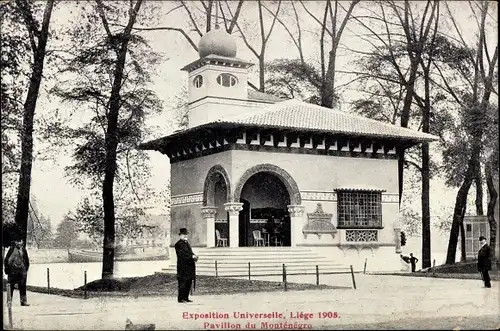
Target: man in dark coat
x: 186, y: 269
x: 484, y: 261
x: 413, y: 262
x: 16, y: 265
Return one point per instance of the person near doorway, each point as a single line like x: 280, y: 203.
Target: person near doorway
x: 16, y: 265
x: 413, y: 262
x: 186, y: 268
x: 484, y: 261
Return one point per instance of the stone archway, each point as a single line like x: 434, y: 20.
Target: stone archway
x: 210, y: 181
x: 286, y: 178
x: 216, y: 193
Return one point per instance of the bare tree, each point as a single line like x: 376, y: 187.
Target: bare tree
x: 403, y: 46
x: 330, y: 36
x: 476, y: 69
x: 264, y: 39
x: 38, y: 37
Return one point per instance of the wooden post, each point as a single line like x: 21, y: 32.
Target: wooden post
x: 284, y: 277
x: 216, y: 272
x: 364, y: 269
x: 9, y: 305
x: 248, y: 270
x: 434, y: 267
x: 85, y: 284
x: 48, y: 281
x: 353, y: 280
x: 317, y: 275
x: 434, y: 263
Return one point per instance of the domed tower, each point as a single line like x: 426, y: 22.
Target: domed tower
x: 217, y: 80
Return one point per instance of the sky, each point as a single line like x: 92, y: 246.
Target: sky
x: 55, y: 196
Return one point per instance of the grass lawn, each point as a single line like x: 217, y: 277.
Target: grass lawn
x: 166, y: 285
x: 459, y: 270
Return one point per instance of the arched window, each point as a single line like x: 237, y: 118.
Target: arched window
x: 227, y: 80
x: 198, y: 81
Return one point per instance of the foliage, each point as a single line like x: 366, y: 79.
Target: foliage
x: 85, y: 87
x: 14, y: 65
x: 89, y: 219
x: 66, y: 234
x: 39, y: 231
x: 292, y: 79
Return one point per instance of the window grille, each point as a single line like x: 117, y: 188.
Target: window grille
x: 359, y: 209
x: 361, y: 235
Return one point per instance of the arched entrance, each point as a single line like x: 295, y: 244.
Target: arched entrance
x: 265, y: 197
x: 216, y: 193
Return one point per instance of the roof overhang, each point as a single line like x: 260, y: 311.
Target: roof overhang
x: 217, y: 60
x: 209, y: 129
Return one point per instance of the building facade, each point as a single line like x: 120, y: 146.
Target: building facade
x: 253, y: 170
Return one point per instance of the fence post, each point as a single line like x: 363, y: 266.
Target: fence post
x: 433, y: 267
x: 248, y: 270
x: 284, y: 277
x: 48, y: 281
x: 85, y: 284
x: 9, y: 305
x: 364, y: 269
x: 353, y: 280
x: 317, y: 275
x: 216, y: 272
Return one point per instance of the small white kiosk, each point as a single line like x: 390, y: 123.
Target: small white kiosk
x: 475, y: 226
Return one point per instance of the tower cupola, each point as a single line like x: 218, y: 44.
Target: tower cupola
x: 217, y: 42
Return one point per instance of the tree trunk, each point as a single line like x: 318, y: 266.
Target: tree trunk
x: 460, y: 203
x: 479, y: 190
x: 328, y: 88
x: 491, y: 208
x: 405, y: 118
x: 463, y: 251
x: 262, y: 77
x: 426, y: 213
x: 111, y: 144
x: 23, y: 191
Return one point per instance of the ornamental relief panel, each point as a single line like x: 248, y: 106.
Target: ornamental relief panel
x: 332, y: 196
x: 390, y: 198
x: 319, y: 195
x: 187, y: 199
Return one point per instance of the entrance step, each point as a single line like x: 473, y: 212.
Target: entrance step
x: 263, y: 261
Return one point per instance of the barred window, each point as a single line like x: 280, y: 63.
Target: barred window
x: 359, y: 209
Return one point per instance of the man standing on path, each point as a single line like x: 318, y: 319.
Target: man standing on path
x: 186, y: 270
x: 16, y: 266
x: 413, y: 261
x: 484, y: 261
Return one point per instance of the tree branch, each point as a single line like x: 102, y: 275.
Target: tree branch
x: 191, y: 18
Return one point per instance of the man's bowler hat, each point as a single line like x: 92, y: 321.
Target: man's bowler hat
x: 482, y: 238
x: 183, y: 231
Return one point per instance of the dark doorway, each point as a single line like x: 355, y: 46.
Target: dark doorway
x: 265, y: 199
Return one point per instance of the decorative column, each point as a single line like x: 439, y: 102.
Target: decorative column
x: 397, y: 234
x: 296, y: 222
x: 208, y: 214
x: 234, y: 208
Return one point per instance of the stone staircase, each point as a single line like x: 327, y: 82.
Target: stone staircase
x: 263, y: 261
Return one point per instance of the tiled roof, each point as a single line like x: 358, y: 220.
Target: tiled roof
x: 293, y: 114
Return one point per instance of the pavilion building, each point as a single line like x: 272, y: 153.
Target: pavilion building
x: 251, y: 166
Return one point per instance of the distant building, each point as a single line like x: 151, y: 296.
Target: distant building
x: 253, y: 166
